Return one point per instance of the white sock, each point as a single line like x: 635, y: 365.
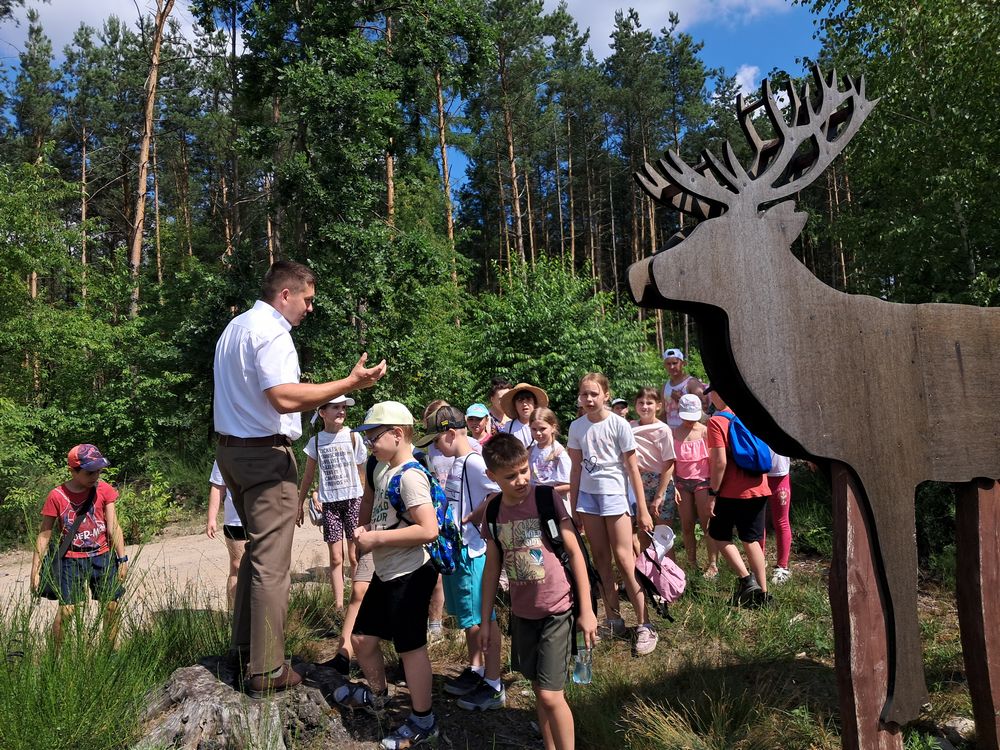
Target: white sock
x: 495, y: 684
x: 478, y: 670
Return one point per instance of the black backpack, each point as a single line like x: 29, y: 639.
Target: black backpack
x: 545, y: 501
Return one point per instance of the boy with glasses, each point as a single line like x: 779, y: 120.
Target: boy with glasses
x: 396, y: 603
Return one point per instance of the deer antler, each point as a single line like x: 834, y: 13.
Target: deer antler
x: 779, y: 168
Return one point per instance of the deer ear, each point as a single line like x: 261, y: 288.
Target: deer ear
x: 792, y: 222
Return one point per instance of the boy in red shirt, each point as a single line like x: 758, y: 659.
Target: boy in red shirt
x: 737, y: 498
x: 89, y: 560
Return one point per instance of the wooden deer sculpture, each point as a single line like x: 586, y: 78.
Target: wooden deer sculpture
x: 887, y: 395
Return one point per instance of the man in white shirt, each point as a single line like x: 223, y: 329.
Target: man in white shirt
x: 257, y: 402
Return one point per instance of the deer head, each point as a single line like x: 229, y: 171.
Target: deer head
x: 731, y: 202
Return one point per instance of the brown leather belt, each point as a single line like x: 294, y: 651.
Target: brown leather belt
x: 228, y: 441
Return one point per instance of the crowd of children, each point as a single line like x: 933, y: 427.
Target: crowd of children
x: 386, y: 490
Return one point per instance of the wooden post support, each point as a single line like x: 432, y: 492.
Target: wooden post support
x: 977, y: 516
x: 859, y: 631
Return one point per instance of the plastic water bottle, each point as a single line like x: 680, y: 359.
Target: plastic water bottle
x: 583, y: 666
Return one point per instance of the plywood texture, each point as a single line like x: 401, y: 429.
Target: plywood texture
x: 899, y: 393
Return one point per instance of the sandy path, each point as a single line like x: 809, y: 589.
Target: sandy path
x: 192, y: 566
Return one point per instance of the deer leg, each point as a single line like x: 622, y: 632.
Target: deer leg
x: 859, y: 627
x: 978, y: 551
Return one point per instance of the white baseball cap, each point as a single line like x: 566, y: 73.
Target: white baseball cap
x: 385, y: 413
x: 674, y: 353
x: 689, y: 407
x: 340, y: 400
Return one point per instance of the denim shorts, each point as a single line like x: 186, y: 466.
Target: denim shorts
x: 99, y: 573
x: 604, y: 505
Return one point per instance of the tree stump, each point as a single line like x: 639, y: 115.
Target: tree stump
x: 198, y: 709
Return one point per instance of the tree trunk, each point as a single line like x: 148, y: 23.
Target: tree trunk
x: 184, y: 192
x: 279, y: 211
x: 234, y: 187
x: 445, y: 176
x: 569, y: 184
x: 530, y: 217
x: 83, y: 215
x: 559, y: 203
x: 508, y: 129
x: 163, y: 8
x: 156, y: 222
x: 390, y: 165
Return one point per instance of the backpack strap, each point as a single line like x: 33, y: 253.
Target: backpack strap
x: 67, y: 539
x: 492, y: 513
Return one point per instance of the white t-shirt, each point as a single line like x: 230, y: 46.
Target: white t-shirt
x: 414, y: 490
x: 229, y: 515
x: 602, y: 444
x: 780, y: 465
x: 338, y: 464
x: 466, y: 488
x: 255, y: 352
x: 519, y: 430
x: 549, y: 469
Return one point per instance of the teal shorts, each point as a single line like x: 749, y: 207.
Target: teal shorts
x: 463, y: 590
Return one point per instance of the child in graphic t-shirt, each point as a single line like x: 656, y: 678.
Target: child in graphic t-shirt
x: 396, y: 603
x: 550, y: 463
x: 341, y: 457
x: 602, y: 448
x: 89, y: 561
x: 478, y: 687
x: 540, y: 592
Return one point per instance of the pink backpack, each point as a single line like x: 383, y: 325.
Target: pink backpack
x: 662, y: 580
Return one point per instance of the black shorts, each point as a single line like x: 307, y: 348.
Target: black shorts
x: 396, y: 610
x: 234, y: 532
x: 99, y: 573
x: 747, y: 515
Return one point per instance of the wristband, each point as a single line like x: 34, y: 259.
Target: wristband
x: 122, y: 560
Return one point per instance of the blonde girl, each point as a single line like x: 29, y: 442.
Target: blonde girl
x: 654, y: 451
x: 602, y: 451
x: 550, y: 462
x: 691, y: 473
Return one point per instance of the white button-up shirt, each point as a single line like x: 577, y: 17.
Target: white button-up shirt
x: 254, y: 353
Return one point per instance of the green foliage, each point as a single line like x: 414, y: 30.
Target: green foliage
x: 811, y: 512
x: 545, y: 325
x: 143, y: 508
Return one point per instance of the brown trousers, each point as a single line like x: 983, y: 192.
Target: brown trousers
x: 264, y: 487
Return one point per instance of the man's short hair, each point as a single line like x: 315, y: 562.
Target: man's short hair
x: 286, y: 274
x: 504, y: 451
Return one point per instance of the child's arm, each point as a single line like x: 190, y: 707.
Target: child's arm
x: 422, y: 530
x: 491, y: 579
x: 661, y: 491
x: 307, y: 480
x: 635, y: 479
x: 367, y: 500
x: 587, y: 621
x: 116, y: 537
x: 41, y: 547
x: 215, y: 493
x: 576, y: 456
x: 717, y: 464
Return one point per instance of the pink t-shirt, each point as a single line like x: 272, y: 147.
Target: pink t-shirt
x: 92, y: 537
x: 654, y: 445
x: 692, y: 459
x: 538, y: 583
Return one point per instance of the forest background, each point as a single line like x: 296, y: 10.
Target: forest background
x: 149, y: 177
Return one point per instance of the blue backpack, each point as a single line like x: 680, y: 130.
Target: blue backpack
x: 444, y: 550
x: 749, y: 452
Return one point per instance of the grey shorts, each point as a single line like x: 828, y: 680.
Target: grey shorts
x: 603, y: 505
x: 540, y: 649
x: 364, y: 570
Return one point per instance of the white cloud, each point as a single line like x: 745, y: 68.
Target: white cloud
x: 599, y: 15
x: 748, y: 78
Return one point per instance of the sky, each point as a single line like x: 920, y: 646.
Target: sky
x: 747, y: 38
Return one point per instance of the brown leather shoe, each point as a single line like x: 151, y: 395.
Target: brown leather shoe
x: 260, y: 685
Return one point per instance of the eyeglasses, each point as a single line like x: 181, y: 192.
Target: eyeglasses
x: 370, y: 440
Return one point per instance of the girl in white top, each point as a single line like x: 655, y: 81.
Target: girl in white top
x: 232, y: 528
x: 550, y: 462
x: 602, y: 451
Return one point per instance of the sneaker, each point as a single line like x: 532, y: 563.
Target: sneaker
x: 355, y: 695
x: 645, y: 640
x: 780, y: 575
x: 748, y: 592
x: 464, y: 684
x: 409, y: 734
x: 260, y: 685
x: 483, y: 698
